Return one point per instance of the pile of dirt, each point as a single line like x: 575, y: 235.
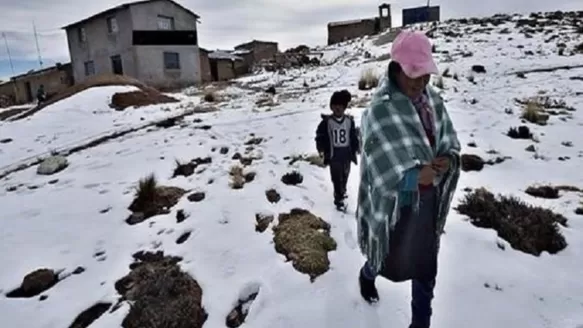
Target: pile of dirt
x: 305, y: 240
x: 162, y: 295
x: 140, y: 98
x: 152, y: 199
x: 527, y: 228
x: 35, y: 283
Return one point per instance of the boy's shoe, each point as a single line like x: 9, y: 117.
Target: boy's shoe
x: 340, y: 205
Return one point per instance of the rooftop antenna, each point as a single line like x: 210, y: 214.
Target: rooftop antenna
x: 8, y: 51
x: 40, y: 61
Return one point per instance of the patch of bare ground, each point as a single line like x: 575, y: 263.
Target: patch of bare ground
x: 88, y: 316
x: 304, y: 239
x: 292, y: 178
x: 272, y: 196
x: 262, y: 221
x: 549, y: 191
x: 472, y: 162
x: 187, y: 169
x: 538, y: 109
x: 530, y: 229
x: 237, y: 316
x: 162, y: 295
x: 139, y: 98
x: 35, y: 283
x: 152, y: 199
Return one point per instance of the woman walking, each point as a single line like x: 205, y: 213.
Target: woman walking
x: 409, y: 173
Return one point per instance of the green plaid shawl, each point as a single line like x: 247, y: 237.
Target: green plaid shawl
x: 393, y: 142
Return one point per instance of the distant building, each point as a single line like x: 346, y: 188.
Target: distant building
x: 420, y: 15
x: 260, y: 50
x: 352, y: 29
x: 154, y: 41
x: 21, y: 89
x: 223, y: 65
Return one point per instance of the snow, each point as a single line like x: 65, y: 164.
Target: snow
x: 60, y: 225
x: 81, y: 117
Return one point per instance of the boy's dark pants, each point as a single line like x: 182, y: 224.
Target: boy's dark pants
x: 339, y: 171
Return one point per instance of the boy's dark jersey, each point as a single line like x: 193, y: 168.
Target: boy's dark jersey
x: 337, y: 139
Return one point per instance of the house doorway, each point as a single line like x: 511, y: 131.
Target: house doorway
x: 116, y: 65
x: 28, y: 90
x: 214, y: 70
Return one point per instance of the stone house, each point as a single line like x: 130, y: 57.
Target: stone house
x: 224, y: 65
x: 258, y: 51
x: 352, y: 29
x: 154, y: 41
x: 205, y: 65
x: 21, y: 89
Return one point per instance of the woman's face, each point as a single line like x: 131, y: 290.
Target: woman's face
x: 412, y: 88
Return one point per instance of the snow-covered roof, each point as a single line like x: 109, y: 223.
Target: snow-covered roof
x: 220, y: 54
x: 241, y: 52
x: 347, y: 22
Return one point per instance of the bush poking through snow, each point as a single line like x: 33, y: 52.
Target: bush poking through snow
x: 210, y: 96
x: 237, y: 177
x: 262, y: 221
x: 237, y: 316
x: 521, y: 132
x: 272, y: 196
x: 162, y: 295
x: 527, y: 228
x: 292, y: 178
x: 368, y: 80
x: 152, y: 199
x: 187, y: 169
x: 88, y: 316
x: 35, y: 283
x: 548, y: 192
x: 472, y: 162
x: 305, y: 240
x: 534, y: 113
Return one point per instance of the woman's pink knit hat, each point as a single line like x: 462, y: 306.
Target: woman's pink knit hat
x: 412, y: 50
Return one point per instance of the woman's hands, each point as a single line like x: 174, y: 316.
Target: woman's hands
x: 440, y: 165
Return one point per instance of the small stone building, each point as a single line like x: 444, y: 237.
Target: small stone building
x: 352, y: 29
x: 205, y: 66
x: 261, y: 50
x: 21, y: 89
x: 223, y: 65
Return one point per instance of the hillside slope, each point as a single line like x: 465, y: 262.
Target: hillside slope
x: 77, y: 218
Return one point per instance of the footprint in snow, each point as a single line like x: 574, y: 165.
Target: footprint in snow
x: 349, y: 239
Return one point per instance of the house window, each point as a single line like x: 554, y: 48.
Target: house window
x: 82, y: 35
x: 171, y: 60
x: 165, y: 23
x: 112, y: 25
x: 89, y: 68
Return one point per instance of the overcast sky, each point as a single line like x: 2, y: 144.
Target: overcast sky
x: 225, y: 23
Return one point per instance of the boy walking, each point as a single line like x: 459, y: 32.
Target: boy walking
x: 338, y: 143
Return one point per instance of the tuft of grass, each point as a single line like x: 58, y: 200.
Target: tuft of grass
x: 147, y: 188
x: 438, y: 82
x: 533, y: 112
x: 368, y: 80
x: 237, y: 177
x: 210, y: 96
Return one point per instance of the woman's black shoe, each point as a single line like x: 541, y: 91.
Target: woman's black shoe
x: 368, y: 291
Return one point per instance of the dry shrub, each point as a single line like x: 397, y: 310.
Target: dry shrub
x: 237, y: 177
x: 162, y: 295
x: 292, y: 178
x: 305, y: 240
x: 438, y: 82
x: 534, y: 113
x: 152, y: 199
x: 530, y: 229
x: 368, y: 80
x: 548, y: 192
x: 139, y: 98
x: 88, y: 316
x: 210, y: 96
x: 313, y: 159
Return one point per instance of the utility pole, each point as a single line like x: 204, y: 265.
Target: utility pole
x: 40, y: 61
x: 8, y: 51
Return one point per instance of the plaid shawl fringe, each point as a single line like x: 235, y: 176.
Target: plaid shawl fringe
x: 391, y: 147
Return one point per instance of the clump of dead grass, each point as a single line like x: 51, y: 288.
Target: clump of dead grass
x: 545, y: 191
x: 530, y: 229
x: 368, y: 80
x: 534, y: 113
x: 162, y: 295
x: 239, y: 177
x: 210, y: 96
x: 312, y: 159
x: 151, y: 199
x: 305, y: 240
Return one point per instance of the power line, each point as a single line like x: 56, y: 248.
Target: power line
x: 8, y: 51
x: 40, y: 61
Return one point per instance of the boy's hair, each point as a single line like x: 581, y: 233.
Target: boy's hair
x: 341, y: 97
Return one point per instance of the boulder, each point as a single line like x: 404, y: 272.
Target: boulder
x: 52, y: 165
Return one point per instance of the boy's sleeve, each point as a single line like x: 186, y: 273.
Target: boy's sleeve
x: 321, y: 136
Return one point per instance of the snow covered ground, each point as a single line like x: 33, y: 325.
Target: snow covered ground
x: 79, y: 219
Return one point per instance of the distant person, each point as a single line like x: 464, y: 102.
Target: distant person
x: 409, y: 173
x: 41, y: 96
x: 337, y: 143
